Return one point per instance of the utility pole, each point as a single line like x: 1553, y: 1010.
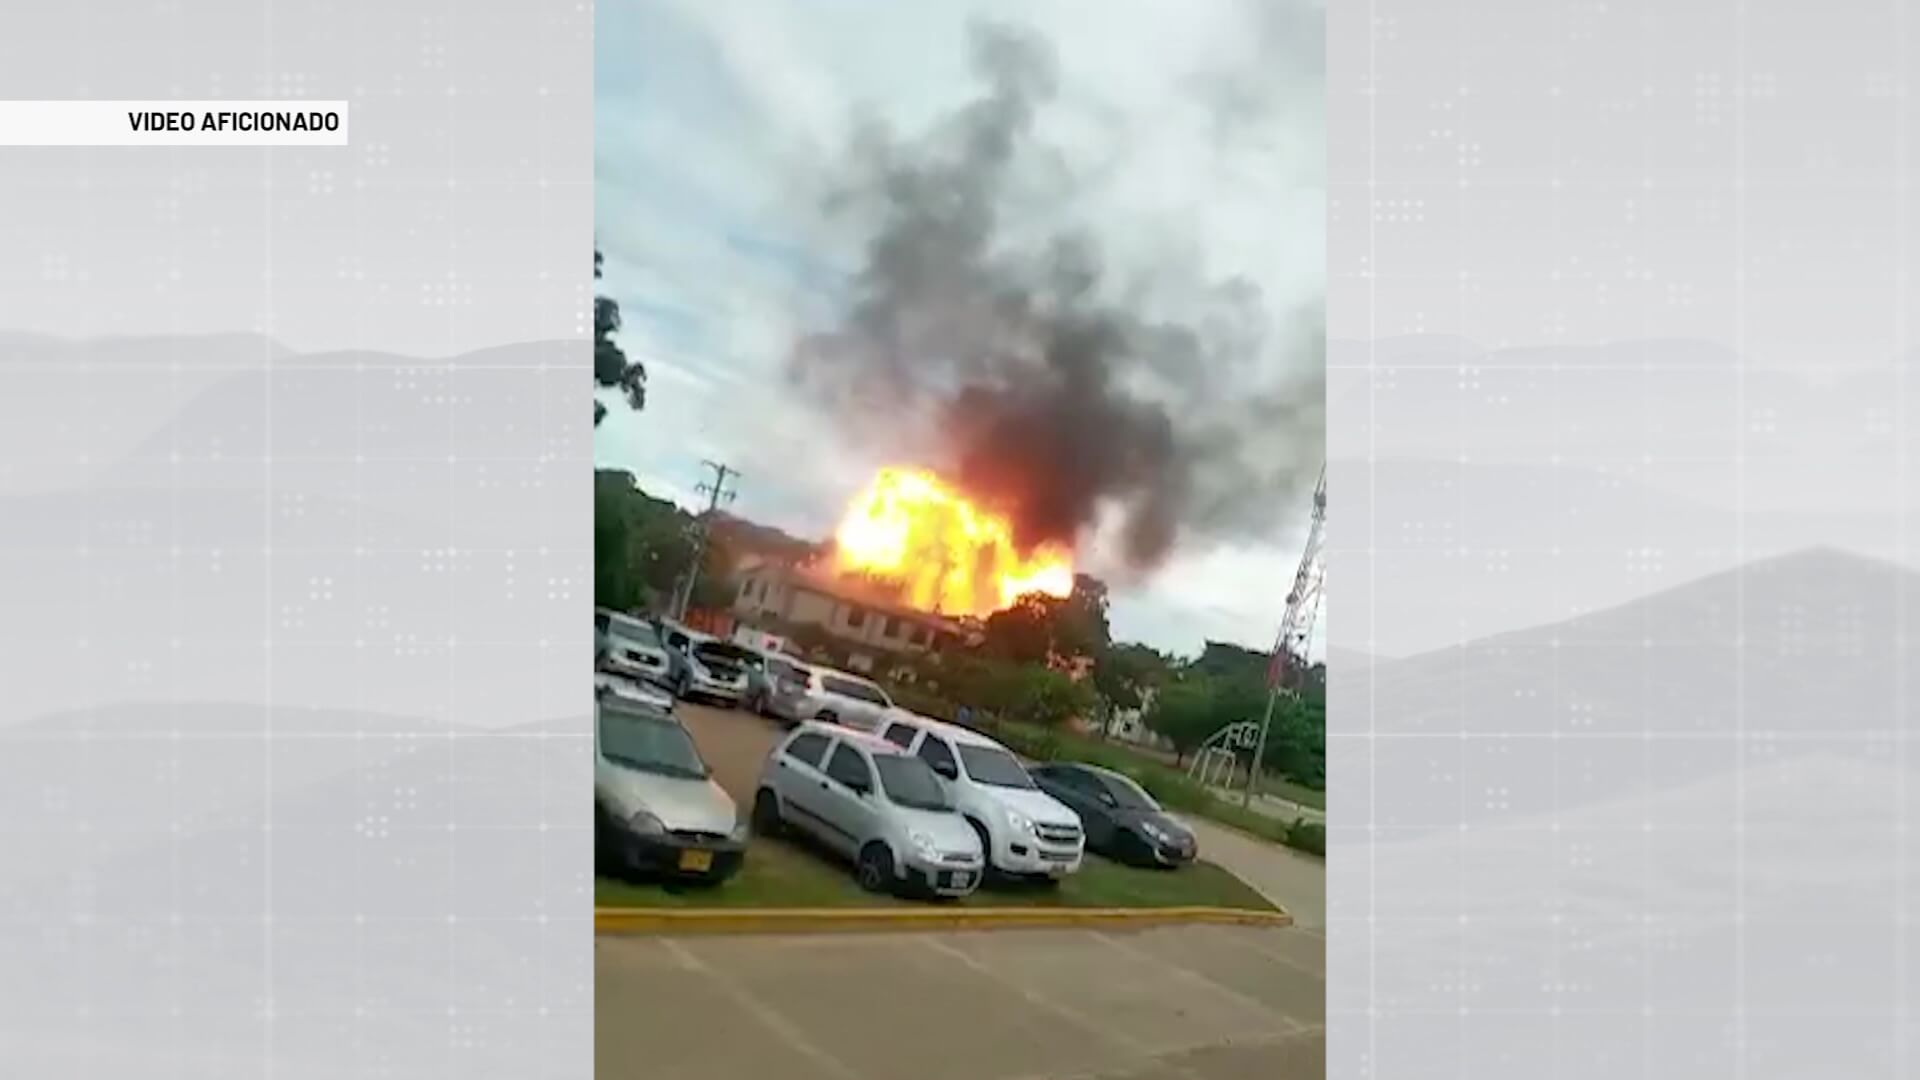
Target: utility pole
x: 1296, y: 624
x: 716, y: 492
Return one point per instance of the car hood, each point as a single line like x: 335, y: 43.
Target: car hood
x: 1037, y: 806
x: 1159, y: 819
x: 950, y: 831
x: 680, y: 804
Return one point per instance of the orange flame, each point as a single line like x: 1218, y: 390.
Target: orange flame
x: 910, y: 529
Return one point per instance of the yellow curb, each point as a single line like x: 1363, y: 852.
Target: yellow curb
x: 908, y: 920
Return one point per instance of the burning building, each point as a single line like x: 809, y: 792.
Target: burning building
x: 913, y: 566
x: 866, y: 617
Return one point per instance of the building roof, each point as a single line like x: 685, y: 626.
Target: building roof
x: 849, y: 590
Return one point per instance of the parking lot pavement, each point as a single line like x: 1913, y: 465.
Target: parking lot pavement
x: 1185, y: 1003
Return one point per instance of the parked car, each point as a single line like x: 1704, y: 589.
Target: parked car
x: 631, y: 689
x: 657, y: 810
x: 1024, y: 831
x: 1122, y: 821
x: 711, y: 668
x: 838, y: 697
x: 775, y: 687
x: 867, y: 800
x: 631, y: 647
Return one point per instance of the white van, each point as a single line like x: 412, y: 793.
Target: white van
x: 1024, y: 831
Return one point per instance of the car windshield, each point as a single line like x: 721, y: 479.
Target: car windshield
x: 995, y: 767
x: 654, y: 744
x: 721, y: 652
x: 638, y: 633
x: 858, y: 690
x: 1129, y: 795
x: 909, y: 782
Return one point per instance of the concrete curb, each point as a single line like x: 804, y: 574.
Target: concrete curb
x: 914, y: 920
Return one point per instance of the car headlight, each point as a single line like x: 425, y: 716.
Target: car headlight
x: 1155, y: 833
x: 740, y: 831
x: 1019, y: 822
x: 644, y: 824
x: 924, y: 845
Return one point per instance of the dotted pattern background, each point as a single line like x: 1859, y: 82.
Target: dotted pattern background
x: 295, y: 551
x: 1621, y: 381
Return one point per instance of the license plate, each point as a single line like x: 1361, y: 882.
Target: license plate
x: 696, y: 862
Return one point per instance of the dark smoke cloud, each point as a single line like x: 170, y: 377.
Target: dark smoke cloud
x: 998, y: 355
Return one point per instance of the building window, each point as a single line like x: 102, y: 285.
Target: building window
x: 893, y: 626
x: 855, y: 617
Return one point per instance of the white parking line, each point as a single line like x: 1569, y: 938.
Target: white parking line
x: 1192, y: 977
x: 1282, y: 958
x: 778, y: 1024
x: 1074, y: 1016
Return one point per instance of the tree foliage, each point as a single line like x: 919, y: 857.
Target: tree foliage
x: 611, y: 368
x: 643, y: 548
x: 1026, y: 693
x: 1202, y: 699
x: 1124, y: 672
x: 1039, y: 626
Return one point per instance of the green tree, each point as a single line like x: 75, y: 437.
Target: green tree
x: 1123, y: 673
x: 611, y: 368
x: 1023, y: 633
x: 1185, y: 712
x: 1038, y: 625
x: 615, y: 585
x: 1191, y: 709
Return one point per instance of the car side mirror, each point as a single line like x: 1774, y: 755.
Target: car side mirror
x: 1107, y: 799
x: 947, y: 769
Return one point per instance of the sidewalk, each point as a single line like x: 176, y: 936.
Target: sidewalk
x: 1295, y: 881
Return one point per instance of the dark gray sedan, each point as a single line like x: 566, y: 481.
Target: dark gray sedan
x: 1121, y: 820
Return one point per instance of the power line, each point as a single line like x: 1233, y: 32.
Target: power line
x: 716, y: 492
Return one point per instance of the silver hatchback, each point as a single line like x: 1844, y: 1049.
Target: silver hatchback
x: 866, y: 799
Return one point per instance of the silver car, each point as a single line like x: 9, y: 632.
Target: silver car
x: 630, y: 647
x: 837, y: 697
x: 713, y: 669
x: 866, y: 799
x: 776, y: 687
x: 657, y: 810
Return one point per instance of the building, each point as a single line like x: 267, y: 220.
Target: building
x: 1130, y: 726
x: 780, y: 596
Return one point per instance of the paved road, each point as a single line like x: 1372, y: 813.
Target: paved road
x: 1188, y: 1003
x: 736, y: 743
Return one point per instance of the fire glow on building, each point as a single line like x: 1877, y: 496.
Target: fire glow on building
x: 941, y: 551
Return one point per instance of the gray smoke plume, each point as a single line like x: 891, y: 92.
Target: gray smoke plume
x: 1008, y: 366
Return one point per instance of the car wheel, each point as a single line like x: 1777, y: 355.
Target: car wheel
x: 766, y: 814
x: 875, y: 869
x: 986, y: 849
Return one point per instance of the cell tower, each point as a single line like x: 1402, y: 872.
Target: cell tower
x: 1296, y: 624
x: 1303, y: 603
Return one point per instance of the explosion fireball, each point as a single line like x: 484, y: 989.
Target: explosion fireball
x: 911, y: 530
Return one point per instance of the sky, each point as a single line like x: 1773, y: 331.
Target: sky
x: 1196, y: 132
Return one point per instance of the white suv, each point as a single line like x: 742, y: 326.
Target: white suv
x: 1024, y: 831
x: 868, y: 800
